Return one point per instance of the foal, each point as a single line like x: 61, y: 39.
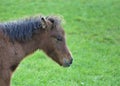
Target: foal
x: 21, y: 38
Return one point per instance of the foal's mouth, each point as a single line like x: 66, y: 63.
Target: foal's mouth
x: 67, y: 63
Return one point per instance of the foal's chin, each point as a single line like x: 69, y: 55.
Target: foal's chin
x: 64, y: 65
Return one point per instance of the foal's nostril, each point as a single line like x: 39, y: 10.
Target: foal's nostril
x: 67, y: 62
x: 71, y: 60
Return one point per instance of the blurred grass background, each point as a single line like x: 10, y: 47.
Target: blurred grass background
x: 93, y: 36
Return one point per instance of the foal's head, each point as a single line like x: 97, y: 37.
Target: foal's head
x: 55, y: 42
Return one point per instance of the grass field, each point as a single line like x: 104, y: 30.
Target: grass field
x: 93, y: 36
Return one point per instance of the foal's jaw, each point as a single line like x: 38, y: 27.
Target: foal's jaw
x: 65, y: 62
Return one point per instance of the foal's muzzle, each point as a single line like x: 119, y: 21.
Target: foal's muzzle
x: 67, y: 63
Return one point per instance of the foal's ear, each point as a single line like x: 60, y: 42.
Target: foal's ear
x: 44, y: 23
x: 51, y: 20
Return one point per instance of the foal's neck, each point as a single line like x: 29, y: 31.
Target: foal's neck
x: 29, y: 47
x: 32, y: 45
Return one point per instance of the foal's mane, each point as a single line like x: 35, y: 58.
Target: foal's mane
x: 22, y: 30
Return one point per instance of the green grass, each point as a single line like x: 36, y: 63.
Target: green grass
x: 93, y: 36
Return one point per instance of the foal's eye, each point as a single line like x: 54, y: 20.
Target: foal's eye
x: 59, y: 38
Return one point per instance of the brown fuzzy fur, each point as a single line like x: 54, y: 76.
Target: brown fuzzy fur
x: 21, y: 38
